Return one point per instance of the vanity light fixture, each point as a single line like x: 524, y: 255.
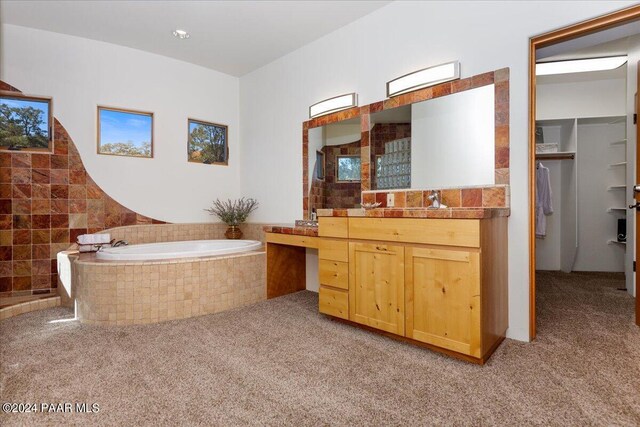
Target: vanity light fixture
x: 181, y: 34
x: 580, y: 65
x: 331, y: 105
x: 424, y: 78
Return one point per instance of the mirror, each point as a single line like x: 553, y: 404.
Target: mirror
x: 334, y: 165
x: 438, y: 143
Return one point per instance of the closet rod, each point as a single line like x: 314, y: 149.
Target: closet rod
x: 556, y: 156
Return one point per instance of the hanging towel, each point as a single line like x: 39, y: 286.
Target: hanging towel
x: 543, y: 199
x: 94, y: 239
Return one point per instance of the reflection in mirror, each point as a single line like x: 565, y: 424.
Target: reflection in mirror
x: 334, y: 172
x: 454, y: 140
x: 390, y: 137
x: 442, y: 142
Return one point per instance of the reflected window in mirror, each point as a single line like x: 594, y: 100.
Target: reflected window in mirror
x: 320, y: 165
x: 348, y: 169
x: 329, y: 142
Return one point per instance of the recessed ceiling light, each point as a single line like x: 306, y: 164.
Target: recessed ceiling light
x: 181, y: 34
x: 580, y: 65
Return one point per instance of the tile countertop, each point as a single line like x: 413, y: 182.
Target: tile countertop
x: 292, y: 229
x: 455, y: 213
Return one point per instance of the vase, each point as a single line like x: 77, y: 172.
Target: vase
x: 233, y: 232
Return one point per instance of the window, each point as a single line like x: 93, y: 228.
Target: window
x: 25, y: 122
x: 207, y: 143
x: 320, y: 165
x: 348, y: 168
x: 125, y: 132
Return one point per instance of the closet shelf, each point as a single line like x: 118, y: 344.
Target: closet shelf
x: 618, y: 164
x: 622, y: 141
x: 562, y: 155
x: 615, y: 242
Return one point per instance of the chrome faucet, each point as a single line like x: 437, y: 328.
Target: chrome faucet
x: 115, y: 243
x: 435, y: 199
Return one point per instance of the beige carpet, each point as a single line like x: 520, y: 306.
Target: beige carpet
x: 281, y: 363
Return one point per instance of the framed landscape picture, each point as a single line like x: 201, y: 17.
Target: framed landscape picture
x: 207, y: 143
x: 25, y: 122
x: 125, y: 132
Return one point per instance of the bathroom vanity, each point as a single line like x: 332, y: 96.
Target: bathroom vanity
x: 441, y: 283
x: 427, y: 263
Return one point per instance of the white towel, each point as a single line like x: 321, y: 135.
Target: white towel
x: 544, y: 204
x: 94, y: 239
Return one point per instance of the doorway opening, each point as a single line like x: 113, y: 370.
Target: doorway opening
x: 582, y: 160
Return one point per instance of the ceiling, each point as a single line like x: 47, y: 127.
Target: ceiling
x: 234, y: 37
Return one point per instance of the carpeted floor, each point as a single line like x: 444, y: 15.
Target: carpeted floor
x: 281, y: 363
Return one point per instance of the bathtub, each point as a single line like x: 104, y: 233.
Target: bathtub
x: 171, y: 250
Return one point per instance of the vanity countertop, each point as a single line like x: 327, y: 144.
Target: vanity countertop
x: 455, y: 213
x: 292, y: 229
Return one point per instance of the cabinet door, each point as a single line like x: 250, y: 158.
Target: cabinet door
x: 443, y: 298
x: 376, y: 286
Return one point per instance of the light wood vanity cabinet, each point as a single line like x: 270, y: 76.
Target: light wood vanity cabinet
x: 441, y: 283
x: 443, y: 298
x: 376, y: 286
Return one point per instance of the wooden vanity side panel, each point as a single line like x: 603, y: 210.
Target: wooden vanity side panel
x: 333, y: 227
x: 446, y: 232
x: 286, y: 269
x: 494, y: 273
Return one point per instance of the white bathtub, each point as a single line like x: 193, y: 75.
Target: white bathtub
x: 187, y: 249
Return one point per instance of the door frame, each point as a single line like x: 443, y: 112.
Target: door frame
x: 567, y: 33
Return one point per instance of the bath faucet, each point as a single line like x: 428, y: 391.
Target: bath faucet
x: 115, y: 243
x: 435, y: 199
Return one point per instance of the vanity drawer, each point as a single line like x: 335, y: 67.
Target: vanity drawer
x: 334, y: 250
x: 334, y: 302
x: 333, y: 227
x: 334, y: 273
x: 446, y: 232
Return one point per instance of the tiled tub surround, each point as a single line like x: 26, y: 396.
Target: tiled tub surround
x: 500, y: 78
x: 29, y: 306
x: 156, y: 233
x: 130, y: 293
x: 47, y: 199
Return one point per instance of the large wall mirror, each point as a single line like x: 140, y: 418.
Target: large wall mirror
x: 442, y: 142
x: 334, y: 166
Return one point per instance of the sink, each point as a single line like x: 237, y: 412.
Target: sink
x: 306, y: 223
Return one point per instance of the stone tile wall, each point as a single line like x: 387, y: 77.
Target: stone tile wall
x: 47, y: 199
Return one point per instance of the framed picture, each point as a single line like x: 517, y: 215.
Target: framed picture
x: 320, y: 165
x: 207, y: 143
x: 125, y: 132
x: 26, y: 122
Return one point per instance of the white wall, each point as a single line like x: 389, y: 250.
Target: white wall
x: 598, y: 98
x: 80, y: 74
x: 364, y: 55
